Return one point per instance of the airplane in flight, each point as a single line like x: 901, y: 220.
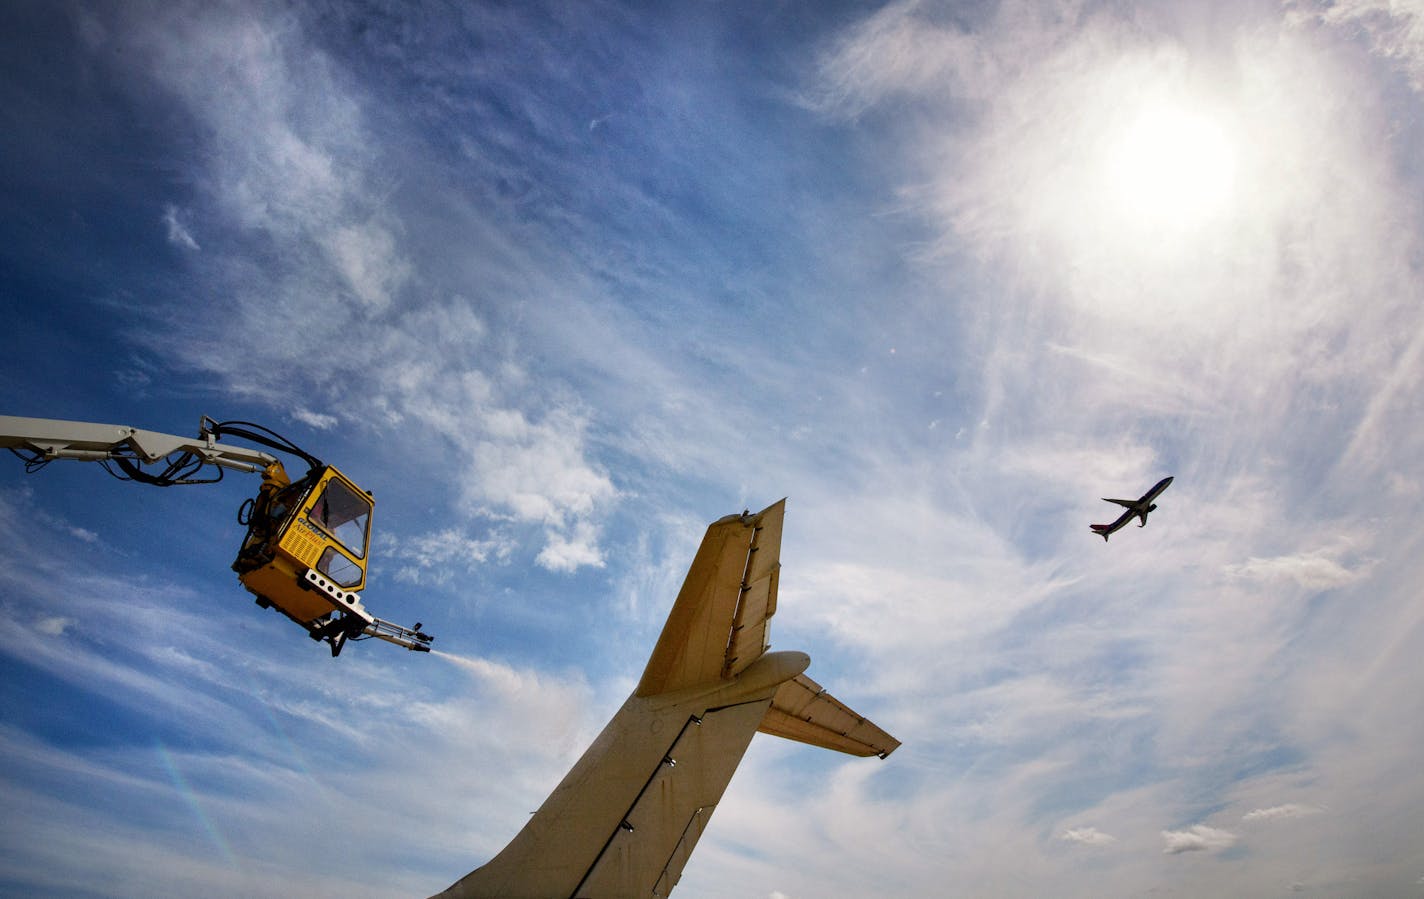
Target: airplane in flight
x: 624, y: 820
x: 1136, y: 508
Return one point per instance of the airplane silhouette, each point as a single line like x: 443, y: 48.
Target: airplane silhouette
x: 1136, y: 508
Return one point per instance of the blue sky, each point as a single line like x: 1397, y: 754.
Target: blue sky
x: 563, y: 283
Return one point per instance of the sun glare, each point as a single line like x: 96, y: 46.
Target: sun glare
x: 1156, y: 195
x: 1172, y: 165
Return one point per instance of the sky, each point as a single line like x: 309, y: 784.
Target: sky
x: 563, y: 283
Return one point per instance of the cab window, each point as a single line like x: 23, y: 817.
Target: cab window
x: 341, y: 570
x: 344, y: 514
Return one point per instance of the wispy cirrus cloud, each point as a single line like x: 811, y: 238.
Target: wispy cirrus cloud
x: 54, y: 625
x: 1161, y: 339
x: 1394, y: 29
x: 528, y: 324
x: 1197, y: 838
x: 1087, y: 836
x: 178, y: 233
x: 1278, y: 812
x: 1313, y: 571
x: 293, y: 159
x: 84, y: 534
x: 241, y: 757
x: 318, y: 420
x: 438, y: 556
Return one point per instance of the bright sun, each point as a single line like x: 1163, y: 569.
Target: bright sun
x: 1173, y: 166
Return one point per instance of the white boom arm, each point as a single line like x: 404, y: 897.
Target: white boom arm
x: 52, y: 439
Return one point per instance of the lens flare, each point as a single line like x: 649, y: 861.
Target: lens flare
x: 193, y: 802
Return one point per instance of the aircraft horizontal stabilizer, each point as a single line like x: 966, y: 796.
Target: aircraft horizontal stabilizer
x: 804, y: 712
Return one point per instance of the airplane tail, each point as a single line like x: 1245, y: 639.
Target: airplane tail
x: 1102, y: 529
x: 625, y: 819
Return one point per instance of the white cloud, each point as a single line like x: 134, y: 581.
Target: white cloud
x: 1197, y: 838
x: 538, y: 468
x: 293, y: 161
x: 177, y: 233
x: 436, y: 557
x: 54, y: 626
x: 84, y: 534
x: 319, y: 420
x: 1013, y: 165
x: 1395, y: 28
x: 1313, y: 571
x: 568, y: 553
x: 1277, y: 812
x: 1088, y: 836
x: 366, y: 256
x: 894, y: 51
x: 268, y: 755
x: 950, y: 591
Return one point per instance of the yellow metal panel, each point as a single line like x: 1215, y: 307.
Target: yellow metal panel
x: 644, y: 850
x: 693, y: 832
x: 749, y: 630
x: 692, y: 648
x: 693, y: 643
x: 305, y: 542
x: 766, y: 556
x: 802, y: 711
x: 277, y: 582
x: 302, y: 544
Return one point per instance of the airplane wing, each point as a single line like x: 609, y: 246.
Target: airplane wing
x: 1130, y: 503
x: 718, y: 626
x: 801, y: 710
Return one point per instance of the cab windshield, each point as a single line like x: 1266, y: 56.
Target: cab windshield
x: 344, y: 514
